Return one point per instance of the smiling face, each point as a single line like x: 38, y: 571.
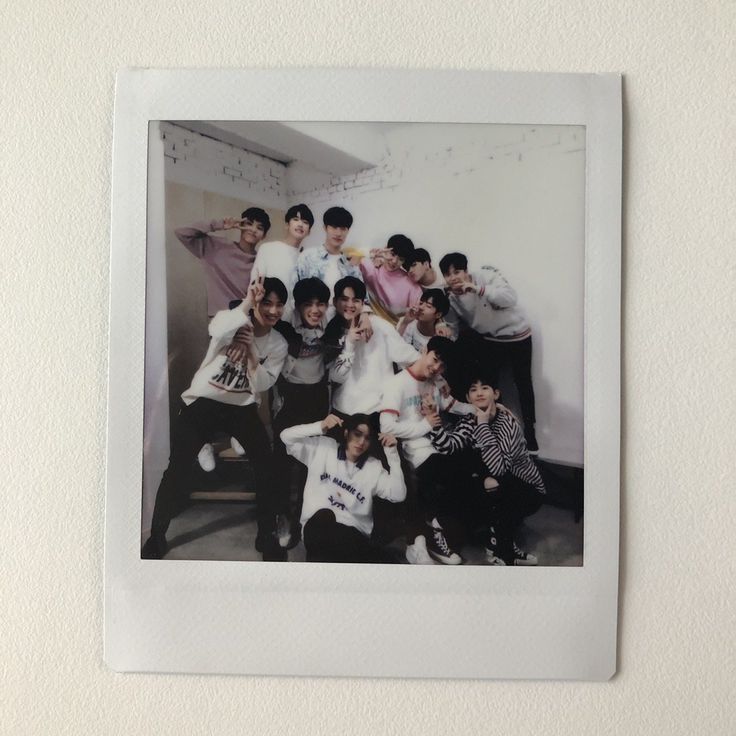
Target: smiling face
x: 347, y: 305
x: 455, y: 279
x: 270, y: 309
x: 312, y: 312
x: 252, y: 232
x: 297, y: 228
x: 392, y: 262
x: 417, y: 271
x: 335, y: 237
x: 429, y: 365
x: 482, y: 396
x: 357, y: 442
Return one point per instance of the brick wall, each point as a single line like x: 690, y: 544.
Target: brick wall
x: 204, y: 163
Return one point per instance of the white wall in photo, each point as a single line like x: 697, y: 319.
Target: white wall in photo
x: 511, y: 196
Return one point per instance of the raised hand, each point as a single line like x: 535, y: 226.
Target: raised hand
x: 443, y: 330
x: 238, y: 349
x: 482, y: 417
x: 470, y: 287
x: 232, y: 223
x: 356, y: 333
x: 255, y: 294
x: 411, y: 313
x: 330, y: 421
x: 365, y: 325
x: 434, y: 419
x: 387, y: 440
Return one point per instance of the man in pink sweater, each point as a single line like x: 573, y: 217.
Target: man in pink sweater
x: 390, y: 288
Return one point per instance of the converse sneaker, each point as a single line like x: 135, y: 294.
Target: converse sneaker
x: 492, y: 555
x: 237, y: 447
x: 522, y: 558
x: 439, y: 549
x: 206, y: 458
x: 417, y: 553
x: 283, y: 530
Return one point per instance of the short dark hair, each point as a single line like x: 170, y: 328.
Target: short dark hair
x: 457, y: 260
x: 438, y: 299
x: 479, y: 373
x: 350, y: 282
x: 311, y: 288
x: 258, y: 215
x: 300, y: 210
x: 443, y: 348
x: 276, y: 286
x: 337, y: 217
x: 419, y: 255
x: 351, y: 421
x: 401, y: 246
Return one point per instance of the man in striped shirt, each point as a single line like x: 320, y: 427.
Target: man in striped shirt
x: 508, y: 486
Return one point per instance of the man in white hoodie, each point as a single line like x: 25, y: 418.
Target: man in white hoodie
x: 245, y: 357
x: 342, y: 480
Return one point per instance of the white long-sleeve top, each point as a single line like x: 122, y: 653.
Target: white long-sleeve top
x: 333, y: 482
x: 492, y: 311
x: 224, y: 380
x: 362, y: 369
x: 401, y: 413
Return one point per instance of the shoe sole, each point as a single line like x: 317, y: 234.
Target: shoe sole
x: 525, y: 563
x: 445, y: 560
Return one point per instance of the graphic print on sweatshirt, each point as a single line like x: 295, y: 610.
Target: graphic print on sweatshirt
x: 344, y: 495
x: 233, y: 377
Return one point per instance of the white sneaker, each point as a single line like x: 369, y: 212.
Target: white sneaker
x: 206, y: 458
x: 237, y: 447
x: 417, y: 553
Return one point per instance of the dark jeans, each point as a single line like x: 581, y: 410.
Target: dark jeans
x: 472, y: 347
x: 326, y: 540
x: 194, y: 424
x: 303, y: 404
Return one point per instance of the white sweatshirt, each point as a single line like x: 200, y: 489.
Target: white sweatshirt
x: 493, y: 311
x: 333, y: 482
x: 223, y: 380
x: 401, y: 413
x: 277, y: 260
x: 362, y: 369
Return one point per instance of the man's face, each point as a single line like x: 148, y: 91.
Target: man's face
x: 252, y: 232
x: 270, y: 309
x: 482, y: 396
x: 357, y: 442
x: 392, y: 262
x: 347, y: 305
x: 427, y: 312
x: 298, y: 228
x: 335, y: 236
x: 312, y: 312
x: 417, y: 271
x: 433, y: 365
x: 455, y: 279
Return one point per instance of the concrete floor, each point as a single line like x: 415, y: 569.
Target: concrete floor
x: 227, y: 531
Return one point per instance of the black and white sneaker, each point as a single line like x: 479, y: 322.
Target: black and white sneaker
x: 438, y: 548
x: 531, y: 441
x: 522, y: 558
x: 492, y: 549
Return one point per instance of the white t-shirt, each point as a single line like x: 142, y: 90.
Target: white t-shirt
x: 414, y: 337
x: 332, y: 271
x: 401, y: 412
x: 277, y: 260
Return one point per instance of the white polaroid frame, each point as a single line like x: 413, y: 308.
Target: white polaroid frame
x: 364, y: 620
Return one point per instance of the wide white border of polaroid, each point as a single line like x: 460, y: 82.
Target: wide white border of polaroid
x: 364, y: 620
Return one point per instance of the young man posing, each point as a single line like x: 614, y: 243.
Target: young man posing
x: 420, y: 270
x: 511, y: 487
x: 391, y: 290
x: 278, y: 259
x: 500, y: 333
x: 304, y: 394
x: 223, y: 396
x: 328, y: 263
x: 342, y: 480
x: 227, y: 264
x: 424, y: 320
x: 408, y: 399
x: 362, y: 366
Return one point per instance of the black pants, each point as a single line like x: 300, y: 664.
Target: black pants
x: 303, y: 404
x: 194, y: 425
x: 472, y: 347
x: 326, y: 540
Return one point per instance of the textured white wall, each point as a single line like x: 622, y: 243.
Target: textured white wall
x: 677, y: 604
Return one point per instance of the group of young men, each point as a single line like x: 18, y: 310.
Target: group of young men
x: 380, y: 378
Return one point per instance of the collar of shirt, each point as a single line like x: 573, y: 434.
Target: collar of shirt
x: 324, y: 254
x: 342, y: 456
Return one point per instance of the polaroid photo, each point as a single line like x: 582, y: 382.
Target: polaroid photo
x: 364, y: 374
